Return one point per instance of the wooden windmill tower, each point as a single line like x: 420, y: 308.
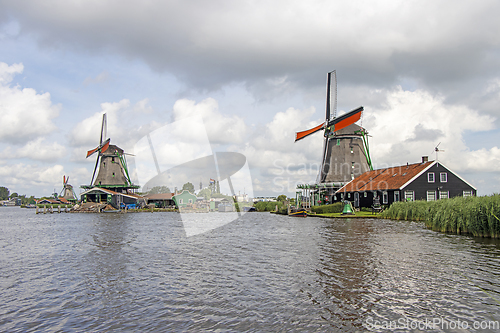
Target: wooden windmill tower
x: 67, y: 192
x: 345, y: 149
x: 113, y: 173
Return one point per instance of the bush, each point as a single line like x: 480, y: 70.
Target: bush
x: 337, y: 207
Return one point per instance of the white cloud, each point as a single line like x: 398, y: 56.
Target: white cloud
x: 412, y: 123
x: 123, y: 125
x: 24, y: 114
x: 221, y: 128
x: 38, y: 149
x: 34, y: 175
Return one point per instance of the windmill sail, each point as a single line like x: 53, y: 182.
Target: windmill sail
x: 344, y: 154
x: 338, y: 123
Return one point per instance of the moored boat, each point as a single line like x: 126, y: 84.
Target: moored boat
x: 298, y: 213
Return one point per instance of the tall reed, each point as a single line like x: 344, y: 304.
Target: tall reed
x: 479, y: 216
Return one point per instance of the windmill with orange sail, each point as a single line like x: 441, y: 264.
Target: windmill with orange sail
x: 345, y: 149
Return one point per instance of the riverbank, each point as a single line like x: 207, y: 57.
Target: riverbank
x: 477, y: 216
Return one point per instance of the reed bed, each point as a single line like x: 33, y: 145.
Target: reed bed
x: 478, y: 216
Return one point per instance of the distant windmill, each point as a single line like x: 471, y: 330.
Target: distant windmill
x: 67, y: 192
x: 437, y: 150
x: 113, y: 173
x: 345, y: 149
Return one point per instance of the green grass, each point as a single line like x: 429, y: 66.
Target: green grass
x: 358, y: 214
x: 478, y: 216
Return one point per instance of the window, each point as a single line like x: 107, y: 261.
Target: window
x: 190, y: 201
x: 443, y: 177
x: 335, y: 197
x: 430, y: 177
x: 444, y: 194
x: 180, y: 201
x: 431, y: 195
x: 396, y: 196
x: 366, y: 194
x: 409, y: 196
x: 467, y: 193
x: 385, y: 198
x: 349, y: 195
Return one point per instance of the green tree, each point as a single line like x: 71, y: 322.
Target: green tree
x: 159, y: 189
x: 206, y: 193
x: 188, y: 187
x: 281, y: 198
x: 4, y: 193
x: 14, y: 195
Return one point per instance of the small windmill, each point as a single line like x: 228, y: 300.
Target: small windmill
x: 67, y: 192
x: 113, y: 172
x: 344, y: 143
x: 437, y: 150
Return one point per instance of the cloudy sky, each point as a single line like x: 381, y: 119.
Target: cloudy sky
x: 427, y: 72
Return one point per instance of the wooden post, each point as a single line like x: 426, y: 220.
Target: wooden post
x: 45, y: 209
x: 59, y: 208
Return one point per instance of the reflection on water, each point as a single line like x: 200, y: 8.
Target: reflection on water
x: 139, y: 272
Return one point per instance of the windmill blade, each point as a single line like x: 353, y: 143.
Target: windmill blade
x: 95, y: 168
x: 303, y: 134
x: 346, y: 119
x: 328, y: 84
x: 334, y: 108
x: 104, y: 128
x: 101, y: 148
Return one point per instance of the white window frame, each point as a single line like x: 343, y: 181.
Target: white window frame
x: 443, y: 177
x: 396, y: 196
x: 431, y: 195
x: 468, y: 193
x: 409, y: 195
x: 180, y: 201
x: 444, y: 195
x: 429, y: 176
x: 385, y: 198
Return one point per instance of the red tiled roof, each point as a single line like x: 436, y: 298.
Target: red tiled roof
x: 386, y: 179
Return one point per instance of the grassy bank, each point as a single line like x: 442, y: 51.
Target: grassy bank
x: 478, y: 216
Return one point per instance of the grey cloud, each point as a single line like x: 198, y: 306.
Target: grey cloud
x: 443, y: 46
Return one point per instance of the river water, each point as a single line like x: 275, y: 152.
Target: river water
x: 260, y: 273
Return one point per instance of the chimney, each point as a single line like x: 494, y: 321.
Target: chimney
x: 425, y: 159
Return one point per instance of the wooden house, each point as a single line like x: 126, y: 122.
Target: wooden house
x: 428, y: 180
x: 115, y: 199
x: 184, y: 198
x: 161, y: 200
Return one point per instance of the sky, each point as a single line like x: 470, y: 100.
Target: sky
x: 426, y: 72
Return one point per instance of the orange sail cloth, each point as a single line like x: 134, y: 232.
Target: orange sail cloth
x: 347, y: 121
x: 101, y: 149
x: 303, y: 134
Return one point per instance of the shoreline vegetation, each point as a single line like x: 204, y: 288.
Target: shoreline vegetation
x: 476, y: 216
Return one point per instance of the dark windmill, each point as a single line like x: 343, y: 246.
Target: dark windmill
x: 67, y: 192
x: 345, y: 150
x: 113, y: 173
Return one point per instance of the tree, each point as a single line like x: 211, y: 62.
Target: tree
x: 281, y: 197
x: 206, y: 193
x: 14, y: 195
x: 188, y: 187
x: 159, y: 189
x: 4, y: 193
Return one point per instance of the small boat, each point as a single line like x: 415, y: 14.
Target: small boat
x: 298, y: 213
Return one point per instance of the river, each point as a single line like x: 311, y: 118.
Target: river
x: 260, y: 273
